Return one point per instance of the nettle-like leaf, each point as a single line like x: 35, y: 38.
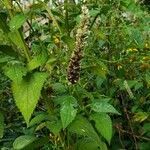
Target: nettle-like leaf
x: 103, y: 125
x: 17, y: 21
x: 23, y: 141
x: 15, y: 72
x: 103, y: 107
x: 68, y: 110
x: 1, y: 125
x: 27, y: 93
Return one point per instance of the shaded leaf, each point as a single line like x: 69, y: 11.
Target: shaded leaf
x: 1, y: 125
x: 140, y: 116
x: 23, y: 141
x: 54, y: 126
x: 3, y: 22
x: 87, y: 143
x: 82, y: 126
x: 38, y: 119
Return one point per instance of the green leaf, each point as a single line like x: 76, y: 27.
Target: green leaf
x: 82, y: 126
x: 103, y: 107
x: 17, y: 21
x: 89, y: 144
x: 38, y: 60
x: 27, y: 93
x: 17, y: 39
x: 38, y: 119
x: 15, y: 72
x: 1, y: 125
x: 67, y: 111
x: 8, y: 50
x: 59, y: 88
x: 54, y: 126
x: 3, y: 22
x: 103, y: 125
x: 5, y: 58
x: 23, y: 141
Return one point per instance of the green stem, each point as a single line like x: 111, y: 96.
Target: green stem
x: 66, y: 16
x: 9, y: 7
x: 51, y: 16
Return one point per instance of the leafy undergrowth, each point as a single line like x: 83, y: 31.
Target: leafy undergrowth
x: 74, y: 75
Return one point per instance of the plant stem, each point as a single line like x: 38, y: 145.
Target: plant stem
x: 66, y: 16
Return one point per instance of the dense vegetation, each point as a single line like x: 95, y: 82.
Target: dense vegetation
x: 75, y: 75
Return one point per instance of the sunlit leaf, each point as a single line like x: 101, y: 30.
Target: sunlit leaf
x: 27, y: 93
x: 15, y: 72
x: 103, y: 107
x: 17, y: 21
x: 38, y: 60
x: 67, y: 111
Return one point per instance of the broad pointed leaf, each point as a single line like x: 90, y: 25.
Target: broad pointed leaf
x: 83, y: 127
x: 103, y: 107
x: 103, y: 125
x: 23, y: 141
x: 27, y: 93
x: 15, y: 72
x: 67, y: 111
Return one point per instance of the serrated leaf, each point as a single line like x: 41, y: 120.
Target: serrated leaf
x: 1, y: 125
x: 67, y: 111
x: 59, y: 88
x: 38, y: 60
x: 27, y: 92
x: 17, y: 21
x: 23, y: 141
x: 15, y: 72
x: 103, y: 125
x: 103, y: 107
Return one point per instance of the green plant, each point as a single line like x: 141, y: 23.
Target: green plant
x: 67, y: 76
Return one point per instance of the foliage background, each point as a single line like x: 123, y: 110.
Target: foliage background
x: 115, y: 73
